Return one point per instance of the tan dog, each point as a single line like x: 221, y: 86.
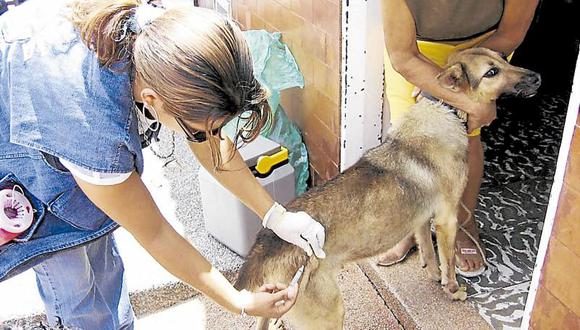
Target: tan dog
x: 418, y: 173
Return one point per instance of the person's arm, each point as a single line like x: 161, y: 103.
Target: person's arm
x: 513, y: 26
x: 235, y: 175
x: 297, y: 228
x: 401, y: 43
x: 130, y: 205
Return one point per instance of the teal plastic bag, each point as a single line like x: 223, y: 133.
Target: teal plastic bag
x: 275, y: 68
x: 274, y: 65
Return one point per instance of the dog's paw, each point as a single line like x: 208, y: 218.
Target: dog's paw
x: 456, y: 292
x: 460, y: 294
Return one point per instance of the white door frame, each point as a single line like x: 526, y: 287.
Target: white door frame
x: 362, y: 79
x: 569, y: 126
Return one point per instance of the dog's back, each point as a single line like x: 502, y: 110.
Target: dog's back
x: 368, y: 208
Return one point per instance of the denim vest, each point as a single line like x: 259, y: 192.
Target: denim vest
x: 57, y: 102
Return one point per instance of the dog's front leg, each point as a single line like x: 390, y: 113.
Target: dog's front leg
x: 446, y: 229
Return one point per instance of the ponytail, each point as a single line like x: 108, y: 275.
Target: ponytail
x: 105, y: 27
x: 257, y: 115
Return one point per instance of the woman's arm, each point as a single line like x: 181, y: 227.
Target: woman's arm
x: 401, y: 43
x: 235, y: 175
x: 297, y: 228
x: 130, y: 204
x: 515, y: 22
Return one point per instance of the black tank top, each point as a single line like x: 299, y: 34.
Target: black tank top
x: 454, y: 20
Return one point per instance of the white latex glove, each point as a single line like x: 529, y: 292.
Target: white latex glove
x: 296, y: 228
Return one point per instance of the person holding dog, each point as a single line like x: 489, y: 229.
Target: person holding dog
x: 79, y: 82
x: 419, y: 37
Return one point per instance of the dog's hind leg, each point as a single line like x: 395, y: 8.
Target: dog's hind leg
x: 319, y: 305
x: 446, y: 229
x: 428, y: 258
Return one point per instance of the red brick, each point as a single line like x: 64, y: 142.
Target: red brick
x: 241, y: 13
x: 567, y: 226
x: 316, y: 179
x: 252, y: 4
x: 291, y: 100
x: 256, y: 23
x: 307, y: 65
x: 573, y: 167
x: 328, y: 112
x: 323, y: 141
x: 324, y: 168
x: 287, y: 4
x: 260, y: 8
x: 333, y: 52
x: 290, y: 25
x: 560, y: 275
x: 327, y: 81
x: 306, y: 107
x: 288, y: 21
x: 288, y: 99
x: 274, y: 11
x: 304, y: 8
x: 575, y: 147
x: 314, y: 41
x: 327, y: 17
x: 549, y: 313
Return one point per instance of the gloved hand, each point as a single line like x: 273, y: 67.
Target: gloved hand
x: 296, y: 228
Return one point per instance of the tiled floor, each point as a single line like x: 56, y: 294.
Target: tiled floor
x: 521, y: 149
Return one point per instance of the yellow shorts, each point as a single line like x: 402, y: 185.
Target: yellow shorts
x: 398, y: 90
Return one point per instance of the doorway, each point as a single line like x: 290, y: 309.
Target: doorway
x: 521, y: 147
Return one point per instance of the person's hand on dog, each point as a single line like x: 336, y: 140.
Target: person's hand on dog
x: 416, y: 94
x: 296, y: 228
x: 480, y: 114
x: 271, y: 300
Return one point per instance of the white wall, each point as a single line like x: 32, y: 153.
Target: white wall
x: 362, y: 79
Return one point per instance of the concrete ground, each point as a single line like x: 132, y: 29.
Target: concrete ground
x: 418, y: 301
x: 365, y: 309
x: 375, y: 298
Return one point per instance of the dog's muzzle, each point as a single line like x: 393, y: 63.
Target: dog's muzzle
x: 528, y: 86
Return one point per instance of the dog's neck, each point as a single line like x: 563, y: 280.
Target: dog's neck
x: 462, y: 116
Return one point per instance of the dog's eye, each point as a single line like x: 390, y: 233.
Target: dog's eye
x: 492, y: 72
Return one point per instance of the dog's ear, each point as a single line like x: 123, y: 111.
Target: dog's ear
x: 453, y: 77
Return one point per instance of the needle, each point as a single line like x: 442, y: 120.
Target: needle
x: 294, y: 281
x: 297, y: 276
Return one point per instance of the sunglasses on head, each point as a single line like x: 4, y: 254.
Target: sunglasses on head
x: 194, y: 136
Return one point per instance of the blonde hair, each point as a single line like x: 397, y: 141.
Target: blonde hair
x: 195, y: 59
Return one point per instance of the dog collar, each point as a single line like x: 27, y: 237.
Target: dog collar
x: 451, y: 109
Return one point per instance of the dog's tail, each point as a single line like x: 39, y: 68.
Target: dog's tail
x: 271, y: 260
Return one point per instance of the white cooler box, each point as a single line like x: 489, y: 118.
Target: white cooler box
x: 226, y: 218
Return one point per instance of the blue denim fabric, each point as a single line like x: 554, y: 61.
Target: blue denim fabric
x: 84, y: 288
x: 56, y: 101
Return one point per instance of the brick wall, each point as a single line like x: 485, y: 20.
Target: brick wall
x: 557, y: 304
x: 311, y: 28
